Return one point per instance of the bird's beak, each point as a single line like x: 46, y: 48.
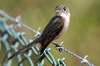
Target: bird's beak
x: 57, y: 11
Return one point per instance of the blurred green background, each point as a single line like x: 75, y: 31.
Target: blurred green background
x: 82, y: 36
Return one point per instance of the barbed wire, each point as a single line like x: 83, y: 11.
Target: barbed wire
x: 6, y: 32
x: 18, y: 22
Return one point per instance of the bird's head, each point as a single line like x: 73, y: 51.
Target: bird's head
x: 62, y: 10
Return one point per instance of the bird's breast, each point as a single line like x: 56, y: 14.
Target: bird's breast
x: 65, y: 27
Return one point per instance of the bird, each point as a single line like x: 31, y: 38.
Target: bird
x: 53, y: 30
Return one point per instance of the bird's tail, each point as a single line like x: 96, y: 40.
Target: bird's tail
x: 25, y: 48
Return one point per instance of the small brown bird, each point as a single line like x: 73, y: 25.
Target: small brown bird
x: 54, y: 29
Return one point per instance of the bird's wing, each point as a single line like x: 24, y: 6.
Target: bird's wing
x: 51, y: 31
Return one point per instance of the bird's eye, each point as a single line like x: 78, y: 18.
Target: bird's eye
x: 64, y: 9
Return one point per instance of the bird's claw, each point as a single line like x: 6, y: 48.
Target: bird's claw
x: 59, y: 47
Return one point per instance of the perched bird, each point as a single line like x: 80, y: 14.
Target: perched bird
x: 54, y: 29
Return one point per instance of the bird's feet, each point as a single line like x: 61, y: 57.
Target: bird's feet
x: 59, y: 47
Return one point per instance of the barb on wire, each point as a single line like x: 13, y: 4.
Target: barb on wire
x: 37, y: 33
